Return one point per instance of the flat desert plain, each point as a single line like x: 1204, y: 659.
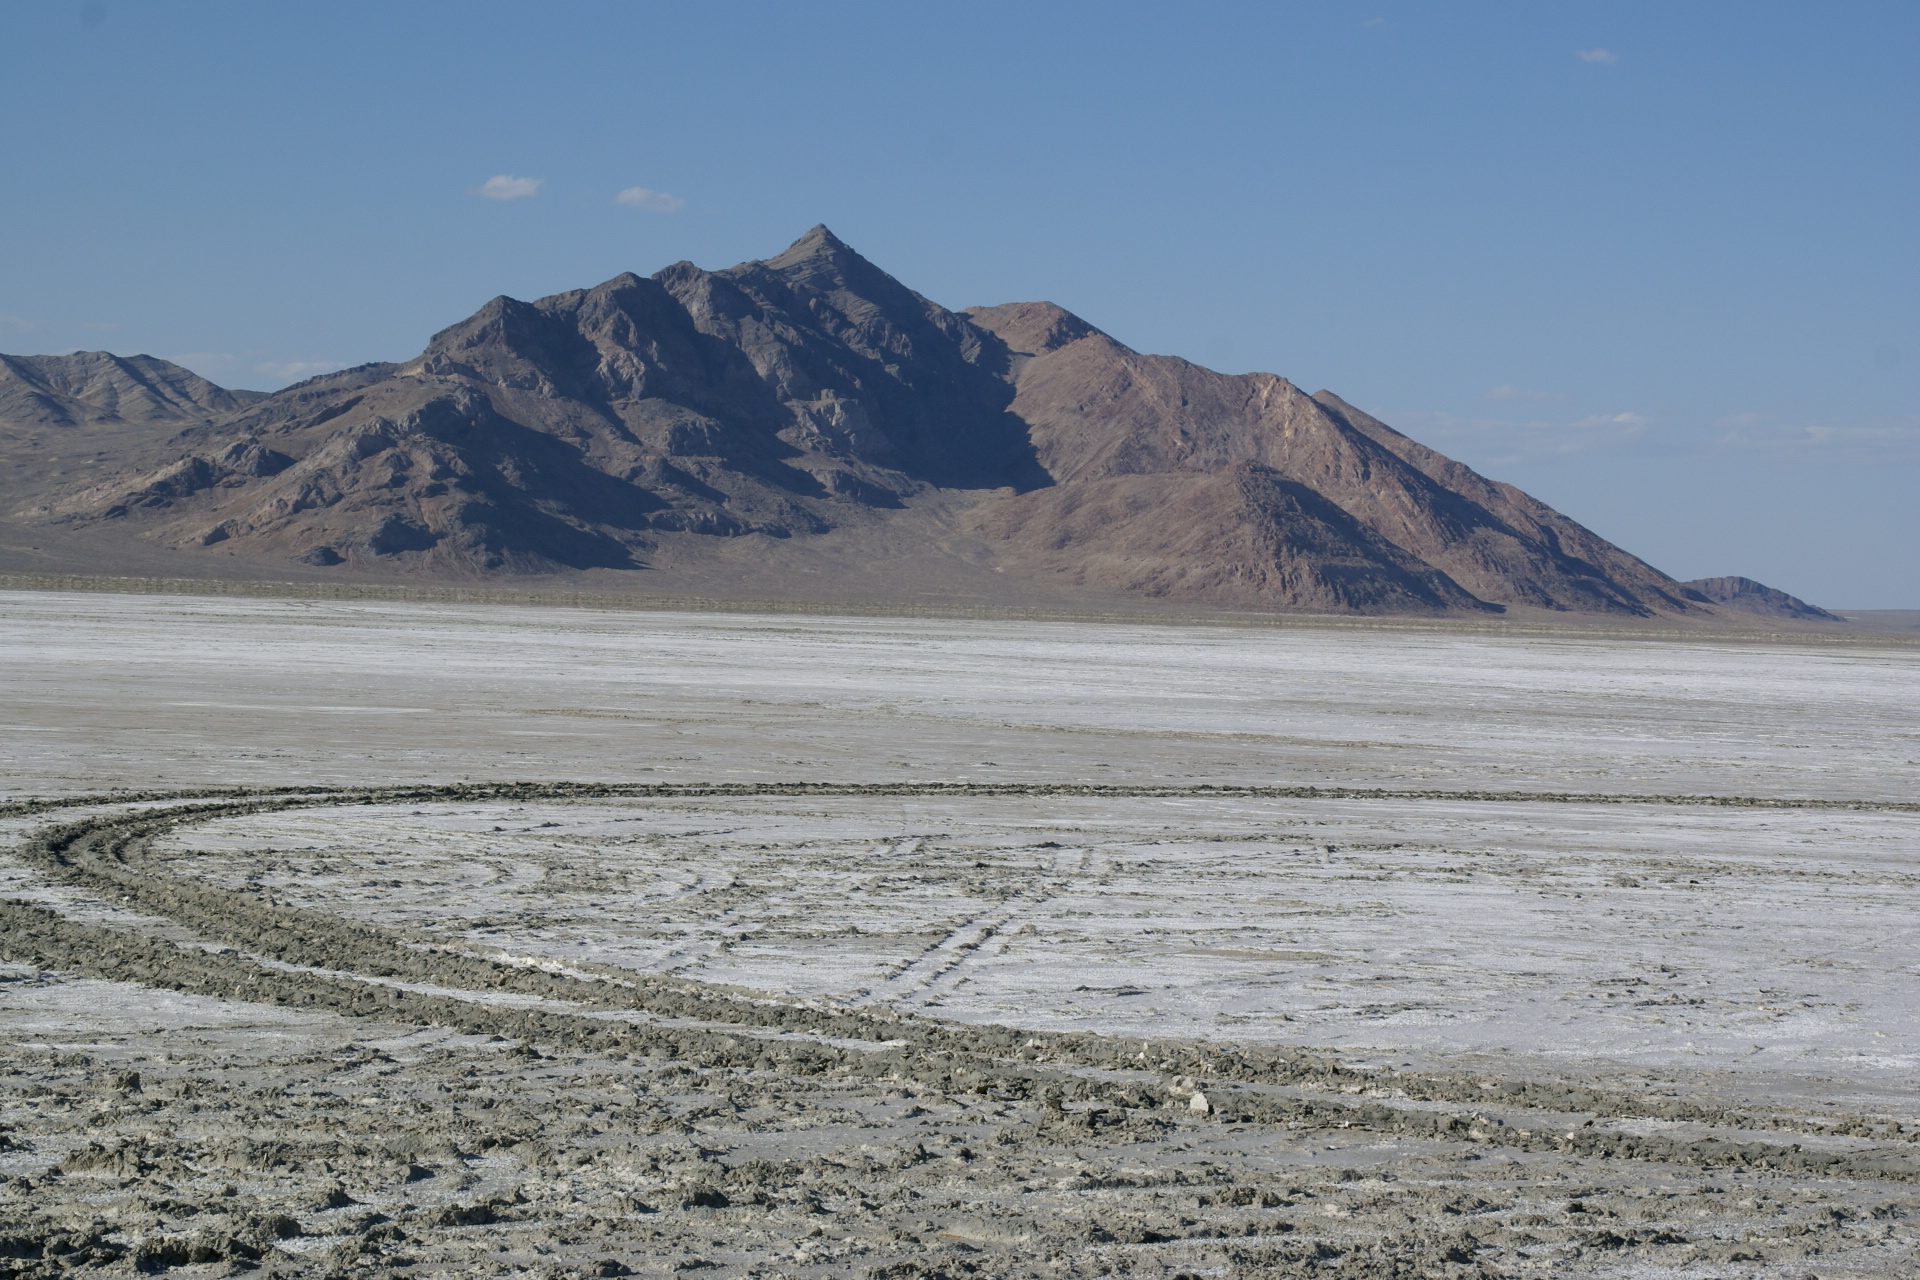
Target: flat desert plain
x: 406, y: 939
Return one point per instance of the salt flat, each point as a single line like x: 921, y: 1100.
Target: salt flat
x: 1766, y: 943
x: 1041, y: 961
x: 104, y: 690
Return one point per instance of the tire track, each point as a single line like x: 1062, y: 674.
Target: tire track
x: 938, y: 969
x: 361, y: 965
x: 827, y: 790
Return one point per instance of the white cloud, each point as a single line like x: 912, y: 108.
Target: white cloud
x: 504, y: 186
x: 1516, y: 393
x: 644, y: 198
x: 17, y: 324
x: 1595, y: 55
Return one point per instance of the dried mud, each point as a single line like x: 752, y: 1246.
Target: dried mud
x: 235, y: 1073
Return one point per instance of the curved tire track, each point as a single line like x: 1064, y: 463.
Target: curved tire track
x: 695, y: 1022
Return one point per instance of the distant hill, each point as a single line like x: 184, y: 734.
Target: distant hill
x: 1753, y: 597
x: 96, y: 387
x: 805, y: 425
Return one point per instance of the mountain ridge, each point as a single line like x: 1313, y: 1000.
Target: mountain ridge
x: 802, y: 409
x: 98, y: 386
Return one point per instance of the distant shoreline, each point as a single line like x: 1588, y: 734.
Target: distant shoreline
x: 1528, y: 623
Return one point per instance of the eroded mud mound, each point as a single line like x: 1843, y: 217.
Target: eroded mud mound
x: 313, y: 1095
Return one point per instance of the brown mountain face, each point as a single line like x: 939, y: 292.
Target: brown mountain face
x: 1758, y: 598
x: 1099, y: 411
x: 814, y: 408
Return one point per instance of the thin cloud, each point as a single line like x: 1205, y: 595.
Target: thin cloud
x: 297, y: 370
x: 1882, y: 440
x: 653, y: 201
x: 101, y: 324
x: 17, y: 324
x: 229, y: 368
x: 1503, y: 441
x: 1506, y: 441
x: 215, y: 366
x: 1518, y: 393
x: 1634, y: 423
x: 1595, y: 55
x: 504, y: 186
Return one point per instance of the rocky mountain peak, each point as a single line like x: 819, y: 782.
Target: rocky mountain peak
x: 818, y: 242
x: 813, y: 408
x: 1033, y: 328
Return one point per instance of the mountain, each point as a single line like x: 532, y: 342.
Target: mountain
x: 803, y: 425
x: 93, y: 387
x: 1749, y: 596
x: 74, y: 419
x: 1399, y: 526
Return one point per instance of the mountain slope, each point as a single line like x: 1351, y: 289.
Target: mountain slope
x: 1758, y: 598
x: 812, y: 406
x: 96, y: 386
x: 70, y: 419
x: 1098, y: 409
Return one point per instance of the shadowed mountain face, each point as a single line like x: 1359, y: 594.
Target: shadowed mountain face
x: 812, y: 400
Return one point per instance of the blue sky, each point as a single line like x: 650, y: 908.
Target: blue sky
x: 1655, y: 263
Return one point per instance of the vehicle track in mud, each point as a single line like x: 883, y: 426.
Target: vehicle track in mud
x: 1053, y: 1153
x: 666, y: 790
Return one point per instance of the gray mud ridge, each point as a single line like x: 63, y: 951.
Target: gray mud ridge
x: 378, y: 1104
